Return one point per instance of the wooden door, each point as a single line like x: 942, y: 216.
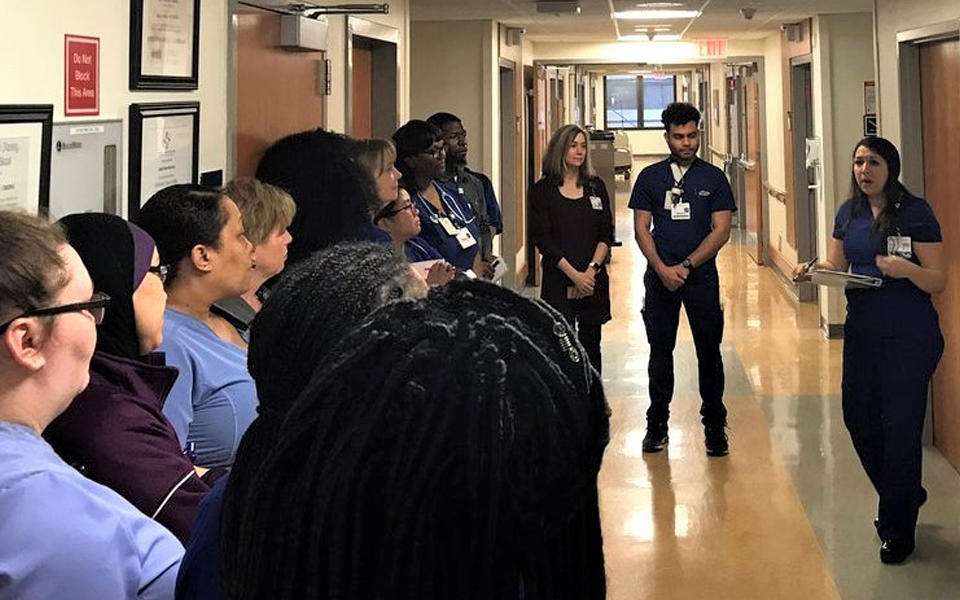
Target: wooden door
x: 753, y: 190
x: 940, y: 93
x: 362, y: 113
x: 276, y: 89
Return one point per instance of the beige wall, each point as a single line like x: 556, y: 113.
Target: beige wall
x: 32, y: 69
x: 775, y: 169
x: 434, y: 60
x: 718, y: 138
x: 842, y: 61
x: 894, y: 16
x: 399, y: 19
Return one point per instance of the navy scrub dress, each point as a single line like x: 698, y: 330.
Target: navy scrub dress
x: 460, y: 214
x: 892, y: 344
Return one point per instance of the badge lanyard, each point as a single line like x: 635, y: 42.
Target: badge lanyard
x: 448, y: 203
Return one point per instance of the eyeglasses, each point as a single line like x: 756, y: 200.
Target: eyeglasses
x: 160, y: 271
x: 391, y: 210
x: 96, y: 306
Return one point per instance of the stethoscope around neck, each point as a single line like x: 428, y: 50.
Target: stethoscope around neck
x: 448, y: 203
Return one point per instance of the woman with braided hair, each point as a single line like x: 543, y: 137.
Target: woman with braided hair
x: 392, y: 481
x: 317, y: 302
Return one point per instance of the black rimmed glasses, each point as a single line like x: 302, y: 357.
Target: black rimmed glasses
x: 96, y: 306
x: 160, y: 271
x: 392, y: 209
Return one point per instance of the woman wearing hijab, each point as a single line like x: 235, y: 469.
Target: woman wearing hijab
x: 388, y: 481
x: 115, y: 432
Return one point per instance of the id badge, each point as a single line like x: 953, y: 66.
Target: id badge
x: 900, y: 245
x: 680, y: 211
x: 448, y: 226
x: 466, y: 239
x: 596, y: 203
x: 668, y: 201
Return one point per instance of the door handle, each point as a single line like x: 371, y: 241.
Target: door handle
x: 815, y: 186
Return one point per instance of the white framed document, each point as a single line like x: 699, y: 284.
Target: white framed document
x: 25, y: 136
x: 164, y: 149
x: 164, y: 44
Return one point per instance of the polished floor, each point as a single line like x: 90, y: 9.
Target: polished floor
x: 788, y: 514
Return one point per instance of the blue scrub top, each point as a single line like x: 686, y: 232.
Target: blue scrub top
x: 214, y: 399
x: 460, y: 213
x: 199, y: 577
x: 914, y: 219
x: 418, y: 249
x: 372, y: 233
x: 899, y: 308
x: 64, y: 536
x: 704, y: 186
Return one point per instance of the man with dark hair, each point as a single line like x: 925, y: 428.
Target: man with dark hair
x: 474, y: 186
x: 690, y: 205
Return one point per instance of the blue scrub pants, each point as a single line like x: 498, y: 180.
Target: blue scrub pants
x: 886, y: 375
x: 700, y: 297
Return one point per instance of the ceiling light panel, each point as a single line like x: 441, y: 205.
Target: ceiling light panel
x: 658, y: 14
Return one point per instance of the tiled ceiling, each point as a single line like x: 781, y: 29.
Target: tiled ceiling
x: 719, y: 18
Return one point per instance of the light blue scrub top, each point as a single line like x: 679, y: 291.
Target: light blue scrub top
x: 65, y: 536
x: 214, y: 399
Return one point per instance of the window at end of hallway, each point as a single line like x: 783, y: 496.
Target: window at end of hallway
x: 636, y: 101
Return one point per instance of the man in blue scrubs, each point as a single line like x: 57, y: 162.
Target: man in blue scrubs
x: 690, y: 204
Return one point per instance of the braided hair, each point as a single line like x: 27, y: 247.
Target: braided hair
x: 316, y: 303
x: 448, y: 449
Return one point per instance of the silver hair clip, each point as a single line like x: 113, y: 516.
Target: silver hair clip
x: 565, y: 344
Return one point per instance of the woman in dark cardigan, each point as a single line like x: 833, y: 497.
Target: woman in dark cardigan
x: 572, y: 226
x: 115, y: 432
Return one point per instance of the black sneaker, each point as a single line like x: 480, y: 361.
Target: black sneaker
x: 895, y: 552
x: 656, y: 438
x: 716, y: 438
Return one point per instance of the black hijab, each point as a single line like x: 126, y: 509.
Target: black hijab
x: 116, y: 254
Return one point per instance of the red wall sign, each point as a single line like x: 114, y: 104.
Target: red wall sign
x: 712, y: 48
x: 81, y: 65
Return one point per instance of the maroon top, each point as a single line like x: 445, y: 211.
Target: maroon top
x: 115, y: 433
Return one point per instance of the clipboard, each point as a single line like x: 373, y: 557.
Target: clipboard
x: 842, y: 279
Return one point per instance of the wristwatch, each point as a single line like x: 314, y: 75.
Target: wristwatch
x: 687, y: 263
x: 595, y: 266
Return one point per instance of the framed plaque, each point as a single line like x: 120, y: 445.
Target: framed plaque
x: 164, y: 44
x: 164, y: 149
x: 26, y: 132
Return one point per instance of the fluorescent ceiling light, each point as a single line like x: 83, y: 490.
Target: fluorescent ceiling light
x: 656, y: 14
x: 659, y: 4
x: 659, y: 37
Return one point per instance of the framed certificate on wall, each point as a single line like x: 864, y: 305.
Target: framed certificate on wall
x: 26, y: 131
x: 164, y: 44
x: 164, y: 149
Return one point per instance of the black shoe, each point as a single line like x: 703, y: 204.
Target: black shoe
x: 656, y: 438
x: 716, y: 438
x: 923, y: 500
x: 894, y: 552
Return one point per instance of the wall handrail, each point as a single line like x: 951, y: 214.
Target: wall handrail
x: 774, y: 192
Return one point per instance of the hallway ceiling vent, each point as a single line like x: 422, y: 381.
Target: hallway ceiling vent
x: 558, y: 7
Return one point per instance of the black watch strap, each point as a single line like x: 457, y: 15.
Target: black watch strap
x: 687, y: 263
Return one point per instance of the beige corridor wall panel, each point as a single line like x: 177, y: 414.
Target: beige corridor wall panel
x: 31, y: 71
x: 718, y: 102
x: 777, y: 237
x: 790, y: 49
x: 843, y: 61
x: 940, y: 91
x: 276, y: 88
x: 447, y: 74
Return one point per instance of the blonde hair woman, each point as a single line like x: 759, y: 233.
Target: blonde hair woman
x: 572, y: 226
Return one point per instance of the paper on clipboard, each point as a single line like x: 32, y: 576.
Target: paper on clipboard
x: 423, y: 266
x: 842, y: 279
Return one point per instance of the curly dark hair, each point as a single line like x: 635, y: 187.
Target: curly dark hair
x: 679, y: 114
x: 333, y: 194
x: 448, y: 448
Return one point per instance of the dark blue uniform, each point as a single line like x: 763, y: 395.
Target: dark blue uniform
x: 706, y: 189
x: 418, y: 249
x: 892, y: 344
x: 460, y: 214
